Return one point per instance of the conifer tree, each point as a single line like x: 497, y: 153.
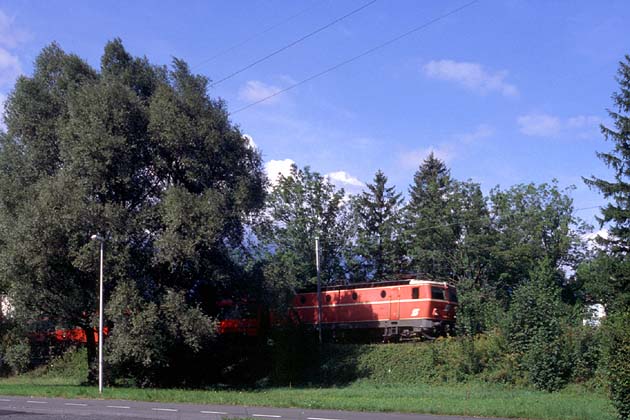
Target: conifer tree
x: 608, y: 275
x: 431, y: 231
x: 378, y: 249
x: 616, y: 214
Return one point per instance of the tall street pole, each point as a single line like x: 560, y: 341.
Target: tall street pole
x: 319, y: 291
x: 100, y: 318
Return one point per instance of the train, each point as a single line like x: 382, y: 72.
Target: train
x: 70, y: 335
x: 396, y: 310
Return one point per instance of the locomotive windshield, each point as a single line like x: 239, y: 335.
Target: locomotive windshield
x: 437, y: 293
x: 452, y: 292
x: 237, y: 311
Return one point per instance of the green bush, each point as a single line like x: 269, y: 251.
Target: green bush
x: 537, y: 319
x: 478, y: 308
x: 452, y: 359
x: 585, y: 346
x: 617, y: 359
x: 18, y: 355
x: 164, y: 341
x: 547, y: 363
x: 295, y: 357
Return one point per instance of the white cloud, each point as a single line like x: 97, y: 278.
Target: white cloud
x: 10, y: 36
x: 472, y: 76
x: 539, y: 124
x: 546, y: 125
x: 275, y: 168
x: 593, y: 236
x: 10, y: 67
x: 250, y: 141
x: 3, y: 98
x: 414, y: 158
x: 481, y: 132
x: 582, y: 121
x: 592, y: 239
x: 342, y: 177
x: 255, y: 90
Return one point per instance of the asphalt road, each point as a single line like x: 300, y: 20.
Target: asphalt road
x: 24, y: 408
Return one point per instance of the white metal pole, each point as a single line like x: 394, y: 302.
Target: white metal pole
x: 100, y: 328
x: 319, y: 291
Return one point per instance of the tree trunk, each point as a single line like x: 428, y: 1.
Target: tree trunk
x: 91, y: 355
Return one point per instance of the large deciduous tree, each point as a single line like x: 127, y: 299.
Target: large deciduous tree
x: 302, y: 206
x: 136, y: 152
x: 532, y: 223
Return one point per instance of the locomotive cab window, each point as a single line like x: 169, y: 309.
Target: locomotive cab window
x: 415, y: 293
x: 452, y: 293
x: 437, y: 293
x: 354, y: 295
x: 383, y: 293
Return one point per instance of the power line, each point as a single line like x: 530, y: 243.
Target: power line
x: 356, y: 57
x: 279, y: 50
x: 254, y: 36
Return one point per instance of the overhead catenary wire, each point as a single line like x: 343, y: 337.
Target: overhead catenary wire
x: 255, y: 36
x: 356, y: 57
x: 291, y: 44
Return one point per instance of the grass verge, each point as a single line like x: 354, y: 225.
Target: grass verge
x: 63, y: 377
x: 472, y: 399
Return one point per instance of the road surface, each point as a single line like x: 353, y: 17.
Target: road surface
x: 32, y: 408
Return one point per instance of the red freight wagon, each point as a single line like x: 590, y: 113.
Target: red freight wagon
x: 239, y: 318
x: 396, y: 309
x: 77, y: 335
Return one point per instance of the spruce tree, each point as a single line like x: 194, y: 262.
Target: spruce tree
x: 431, y: 231
x: 610, y: 270
x: 377, y: 219
x: 616, y: 214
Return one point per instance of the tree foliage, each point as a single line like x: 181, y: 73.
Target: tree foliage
x: 612, y: 284
x: 378, y: 249
x: 155, y: 341
x: 617, y: 360
x: 431, y: 228
x: 136, y: 152
x: 536, y: 323
x: 302, y: 206
x: 532, y: 223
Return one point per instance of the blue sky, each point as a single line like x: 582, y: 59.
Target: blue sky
x: 505, y: 92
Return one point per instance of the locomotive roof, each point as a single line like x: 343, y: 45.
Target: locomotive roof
x: 373, y: 284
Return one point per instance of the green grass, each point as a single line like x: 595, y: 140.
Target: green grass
x: 63, y: 377
x: 473, y: 399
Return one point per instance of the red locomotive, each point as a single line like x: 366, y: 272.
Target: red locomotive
x: 399, y: 309
x: 391, y: 310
